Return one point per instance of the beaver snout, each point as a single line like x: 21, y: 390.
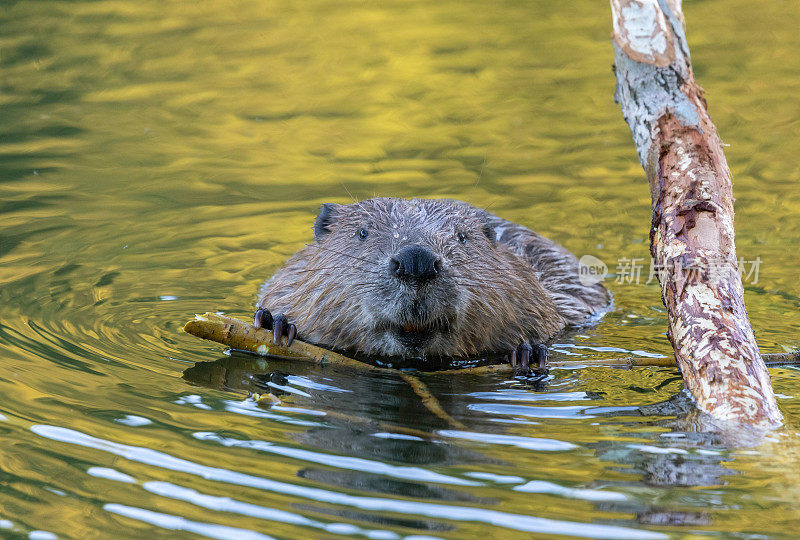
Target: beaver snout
x: 415, y: 263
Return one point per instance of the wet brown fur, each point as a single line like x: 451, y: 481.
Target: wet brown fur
x: 502, y: 286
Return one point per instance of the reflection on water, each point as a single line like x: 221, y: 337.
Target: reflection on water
x: 459, y: 513
x: 159, y: 160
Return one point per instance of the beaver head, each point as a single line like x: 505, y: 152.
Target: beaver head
x: 411, y: 277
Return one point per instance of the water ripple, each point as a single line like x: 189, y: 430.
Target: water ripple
x: 540, y: 486
x: 111, y: 474
x: 520, y: 395
x: 343, y: 462
x: 226, y: 504
x: 155, y: 458
x: 177, y: 523
x: 528, y: 443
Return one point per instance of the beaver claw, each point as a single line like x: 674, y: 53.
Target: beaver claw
x: 521, y: 357
x: 279, y: 325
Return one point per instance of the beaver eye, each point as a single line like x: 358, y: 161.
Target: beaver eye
x: 362, y: 233
x: 462, y: 237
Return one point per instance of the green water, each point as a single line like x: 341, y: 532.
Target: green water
x: 160, y: 159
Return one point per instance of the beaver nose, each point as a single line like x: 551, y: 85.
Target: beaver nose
x: 415, y: 263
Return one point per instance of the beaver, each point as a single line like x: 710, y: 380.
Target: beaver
x: 425, y: 277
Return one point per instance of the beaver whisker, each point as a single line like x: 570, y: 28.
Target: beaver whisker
x: 486, y: 285
x: 494, y: 283
x: 438, y: 324
x: 486, y: 289
x: 369, y: 271
x: 381, y: 251
x: 325, y: 248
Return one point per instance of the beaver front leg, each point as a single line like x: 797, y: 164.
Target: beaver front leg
x: 522, y: 356
x: 279, y: 325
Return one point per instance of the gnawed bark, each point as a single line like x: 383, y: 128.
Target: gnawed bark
x: 692, y: 235
x: 244, y: 336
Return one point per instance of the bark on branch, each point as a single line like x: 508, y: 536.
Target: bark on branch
x: 692, y: 235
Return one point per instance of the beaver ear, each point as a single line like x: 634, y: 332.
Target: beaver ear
x: 327, y: 215
x: 489, y: 231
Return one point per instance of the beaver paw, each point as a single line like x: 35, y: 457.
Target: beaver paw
x: 279, y: 325
x: 522, y: 356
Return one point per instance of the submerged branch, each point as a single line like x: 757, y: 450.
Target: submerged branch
x: 429, y: 400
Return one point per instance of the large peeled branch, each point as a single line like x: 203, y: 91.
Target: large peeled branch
x: 692, y: 235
